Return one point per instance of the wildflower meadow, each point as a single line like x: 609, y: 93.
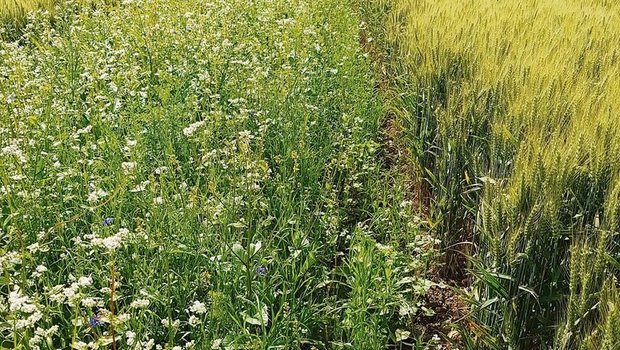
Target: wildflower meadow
x: 191, y: 174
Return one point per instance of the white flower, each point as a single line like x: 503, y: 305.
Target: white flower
x: 128, y: 166
x: 402, y: 335
x: 85, y: 130
x: 193, y: 321
x: 140, y: 303
x: 94, y: 196
x: 89, y: 302
x: 198, y: 308
x: 71, y: 292
x: 148, y: 345
x: 112, y: 242
x: 158, y: 200
x: 80, y: 345
x: 160, y: 170
x: 30, y: 321
x: 131, y: 338
x: 255, y: 247
x: 39, y: 271
x: 166, y: 323
x: 85, y: 281
x: 34, y: 342
x: 237, y: 248
x: 56, y: 294
x: 123, y: 232
x: 216, y: 344
x: 47, y: 333
x: 190, y: 130
x: 13, y: 150
x: 19, y: 302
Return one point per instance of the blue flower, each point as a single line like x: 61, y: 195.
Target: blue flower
x: 94, y: 321
x: 261, y: 270
x: 108, y: 221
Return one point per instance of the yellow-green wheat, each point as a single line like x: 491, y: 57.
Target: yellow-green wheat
x: 522, y: 95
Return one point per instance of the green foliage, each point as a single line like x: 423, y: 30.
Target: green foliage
x: 194, y: 174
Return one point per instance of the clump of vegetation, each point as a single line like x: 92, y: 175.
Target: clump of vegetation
x: 511, y: 115
x: 183, y: 174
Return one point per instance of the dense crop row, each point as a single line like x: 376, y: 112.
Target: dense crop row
x: 189, y: 174
x: 512, y: 117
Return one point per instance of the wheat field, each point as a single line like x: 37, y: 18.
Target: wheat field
x: 13, y: 13
x: 512, y: 114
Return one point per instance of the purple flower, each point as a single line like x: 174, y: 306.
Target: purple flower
x: 108, y: 221
x: 261, y: 270
x: 94, y: 321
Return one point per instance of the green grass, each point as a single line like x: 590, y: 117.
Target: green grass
x: 200, y: 174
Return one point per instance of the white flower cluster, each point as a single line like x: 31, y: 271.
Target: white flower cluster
x: 140, y: 303
x: 191, y: 129
x: 110, y: 243
x: 26, y: 309
x: 198, y: 307
x: 14, y: 150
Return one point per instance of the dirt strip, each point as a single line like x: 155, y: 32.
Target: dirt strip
x: 450, y: 310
